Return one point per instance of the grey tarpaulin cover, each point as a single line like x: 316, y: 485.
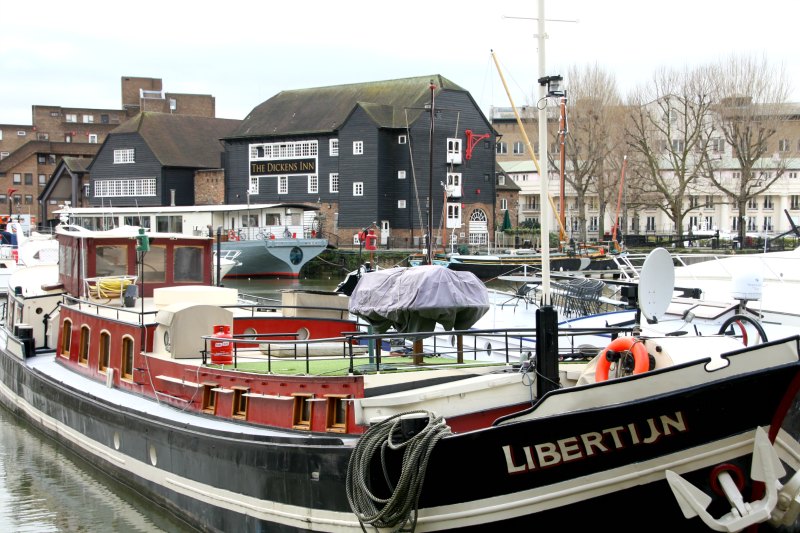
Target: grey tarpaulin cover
x: 415, y: 299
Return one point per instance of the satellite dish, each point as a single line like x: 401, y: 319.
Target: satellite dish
x: 656, y: 284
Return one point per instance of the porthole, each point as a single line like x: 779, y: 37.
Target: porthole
x: 303, y: 334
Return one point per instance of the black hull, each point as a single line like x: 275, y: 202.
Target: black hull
x: 268, y: 481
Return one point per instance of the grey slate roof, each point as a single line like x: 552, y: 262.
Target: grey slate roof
x: 324, y: 109
x: 181, y: 140
x: 77, y: 165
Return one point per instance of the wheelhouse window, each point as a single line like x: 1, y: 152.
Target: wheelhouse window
x: 155, y: 264
x: 126, y: 361
x: 239, y: 402
x: 301, y: 412
x: 336, y: 416
x: 104, y: 351
x: 111, y: 260
x: 187, y: 259
x: 83, y: 352
x: 66, y: 337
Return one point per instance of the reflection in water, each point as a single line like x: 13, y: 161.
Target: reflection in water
x: 44, y: 488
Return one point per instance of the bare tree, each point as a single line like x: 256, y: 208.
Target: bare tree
x: 749, y: 111
x: 668, y: 124
x: 592, y: 98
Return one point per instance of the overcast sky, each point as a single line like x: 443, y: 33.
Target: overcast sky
x: 242, y: 52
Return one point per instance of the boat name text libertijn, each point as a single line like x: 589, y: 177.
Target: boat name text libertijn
x: 549, y: 454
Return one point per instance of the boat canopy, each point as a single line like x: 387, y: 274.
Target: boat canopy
x: 416, y: 299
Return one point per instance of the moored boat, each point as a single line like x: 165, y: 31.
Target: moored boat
x: 268, y: 240
x: 243, y: 414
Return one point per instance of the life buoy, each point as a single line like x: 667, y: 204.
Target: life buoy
x: 641, y: 361
x: 232, y: 235
x: 272, y: 236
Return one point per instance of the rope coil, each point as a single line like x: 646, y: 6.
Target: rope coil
x: 398, y: 511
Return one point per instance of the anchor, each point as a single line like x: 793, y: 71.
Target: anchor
x: 780, y: 504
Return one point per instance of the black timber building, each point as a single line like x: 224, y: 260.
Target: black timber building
x: 360, y: 152
x: 152, y: 159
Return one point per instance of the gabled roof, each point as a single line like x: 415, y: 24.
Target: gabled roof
x: 181, y: 140
x: 324, y: 109
x: 77, y: 165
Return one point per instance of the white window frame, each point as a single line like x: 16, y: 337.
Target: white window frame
x: 401, y: 174
x: 125, y: 187
x: 503, y: 203
x: 124, y: 156
x: 283, y: 184
x: 518, y: 148
x: 501, y: 147
x: 402, y: 139
x: 92, y: 138
x: 88, y: 119
x: 313, y: 184
x: 252, y: 186
x: 333, y: 182
x: 358, y: 188
x: 454, y: 150
x: 71, y: 117
x: 358, y: 147
x: 401, y: 204
x: 333, y: 147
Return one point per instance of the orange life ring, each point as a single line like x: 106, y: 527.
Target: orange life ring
x: 232, y: 235
x: 641, y: 361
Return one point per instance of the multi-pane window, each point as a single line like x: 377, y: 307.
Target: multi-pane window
x: 501, y: 147
x: 651, y: 224
x: 768, y: 202
x: 358, y: 147
x: 594, y: 223
x: 71, y: 117
x: 519, y: 148
x: 767, y: 224
x: 287, y: 150
x: 88, y: 119
x: 752, y: 203
x: 124, y: 155
x: 313, y: 184
x: 333, y: 147
x: 128, y: 187
x: 678, y: 145
x: 694, y: 202
x: 453, y: 215
x: 751, y: 224
x: 783, y: 145
x: 795, y: 201
x: 358, y: 188
x: 454, y: 151
x: 504, y: 203
x: 333, y: 182
x: 252, y: 186
x: 283, y: 184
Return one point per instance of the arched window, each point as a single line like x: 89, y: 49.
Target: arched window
x: 83, y: 353
x: 478, y: 228
x: 66, y: 337
x: 126, y: 364
x: 104, y: 351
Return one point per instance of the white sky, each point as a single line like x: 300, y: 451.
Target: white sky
x: 73, y: 54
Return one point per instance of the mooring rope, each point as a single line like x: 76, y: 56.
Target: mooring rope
x: 399, y: 511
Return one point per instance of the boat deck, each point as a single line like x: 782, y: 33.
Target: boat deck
x: 46, y: 364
